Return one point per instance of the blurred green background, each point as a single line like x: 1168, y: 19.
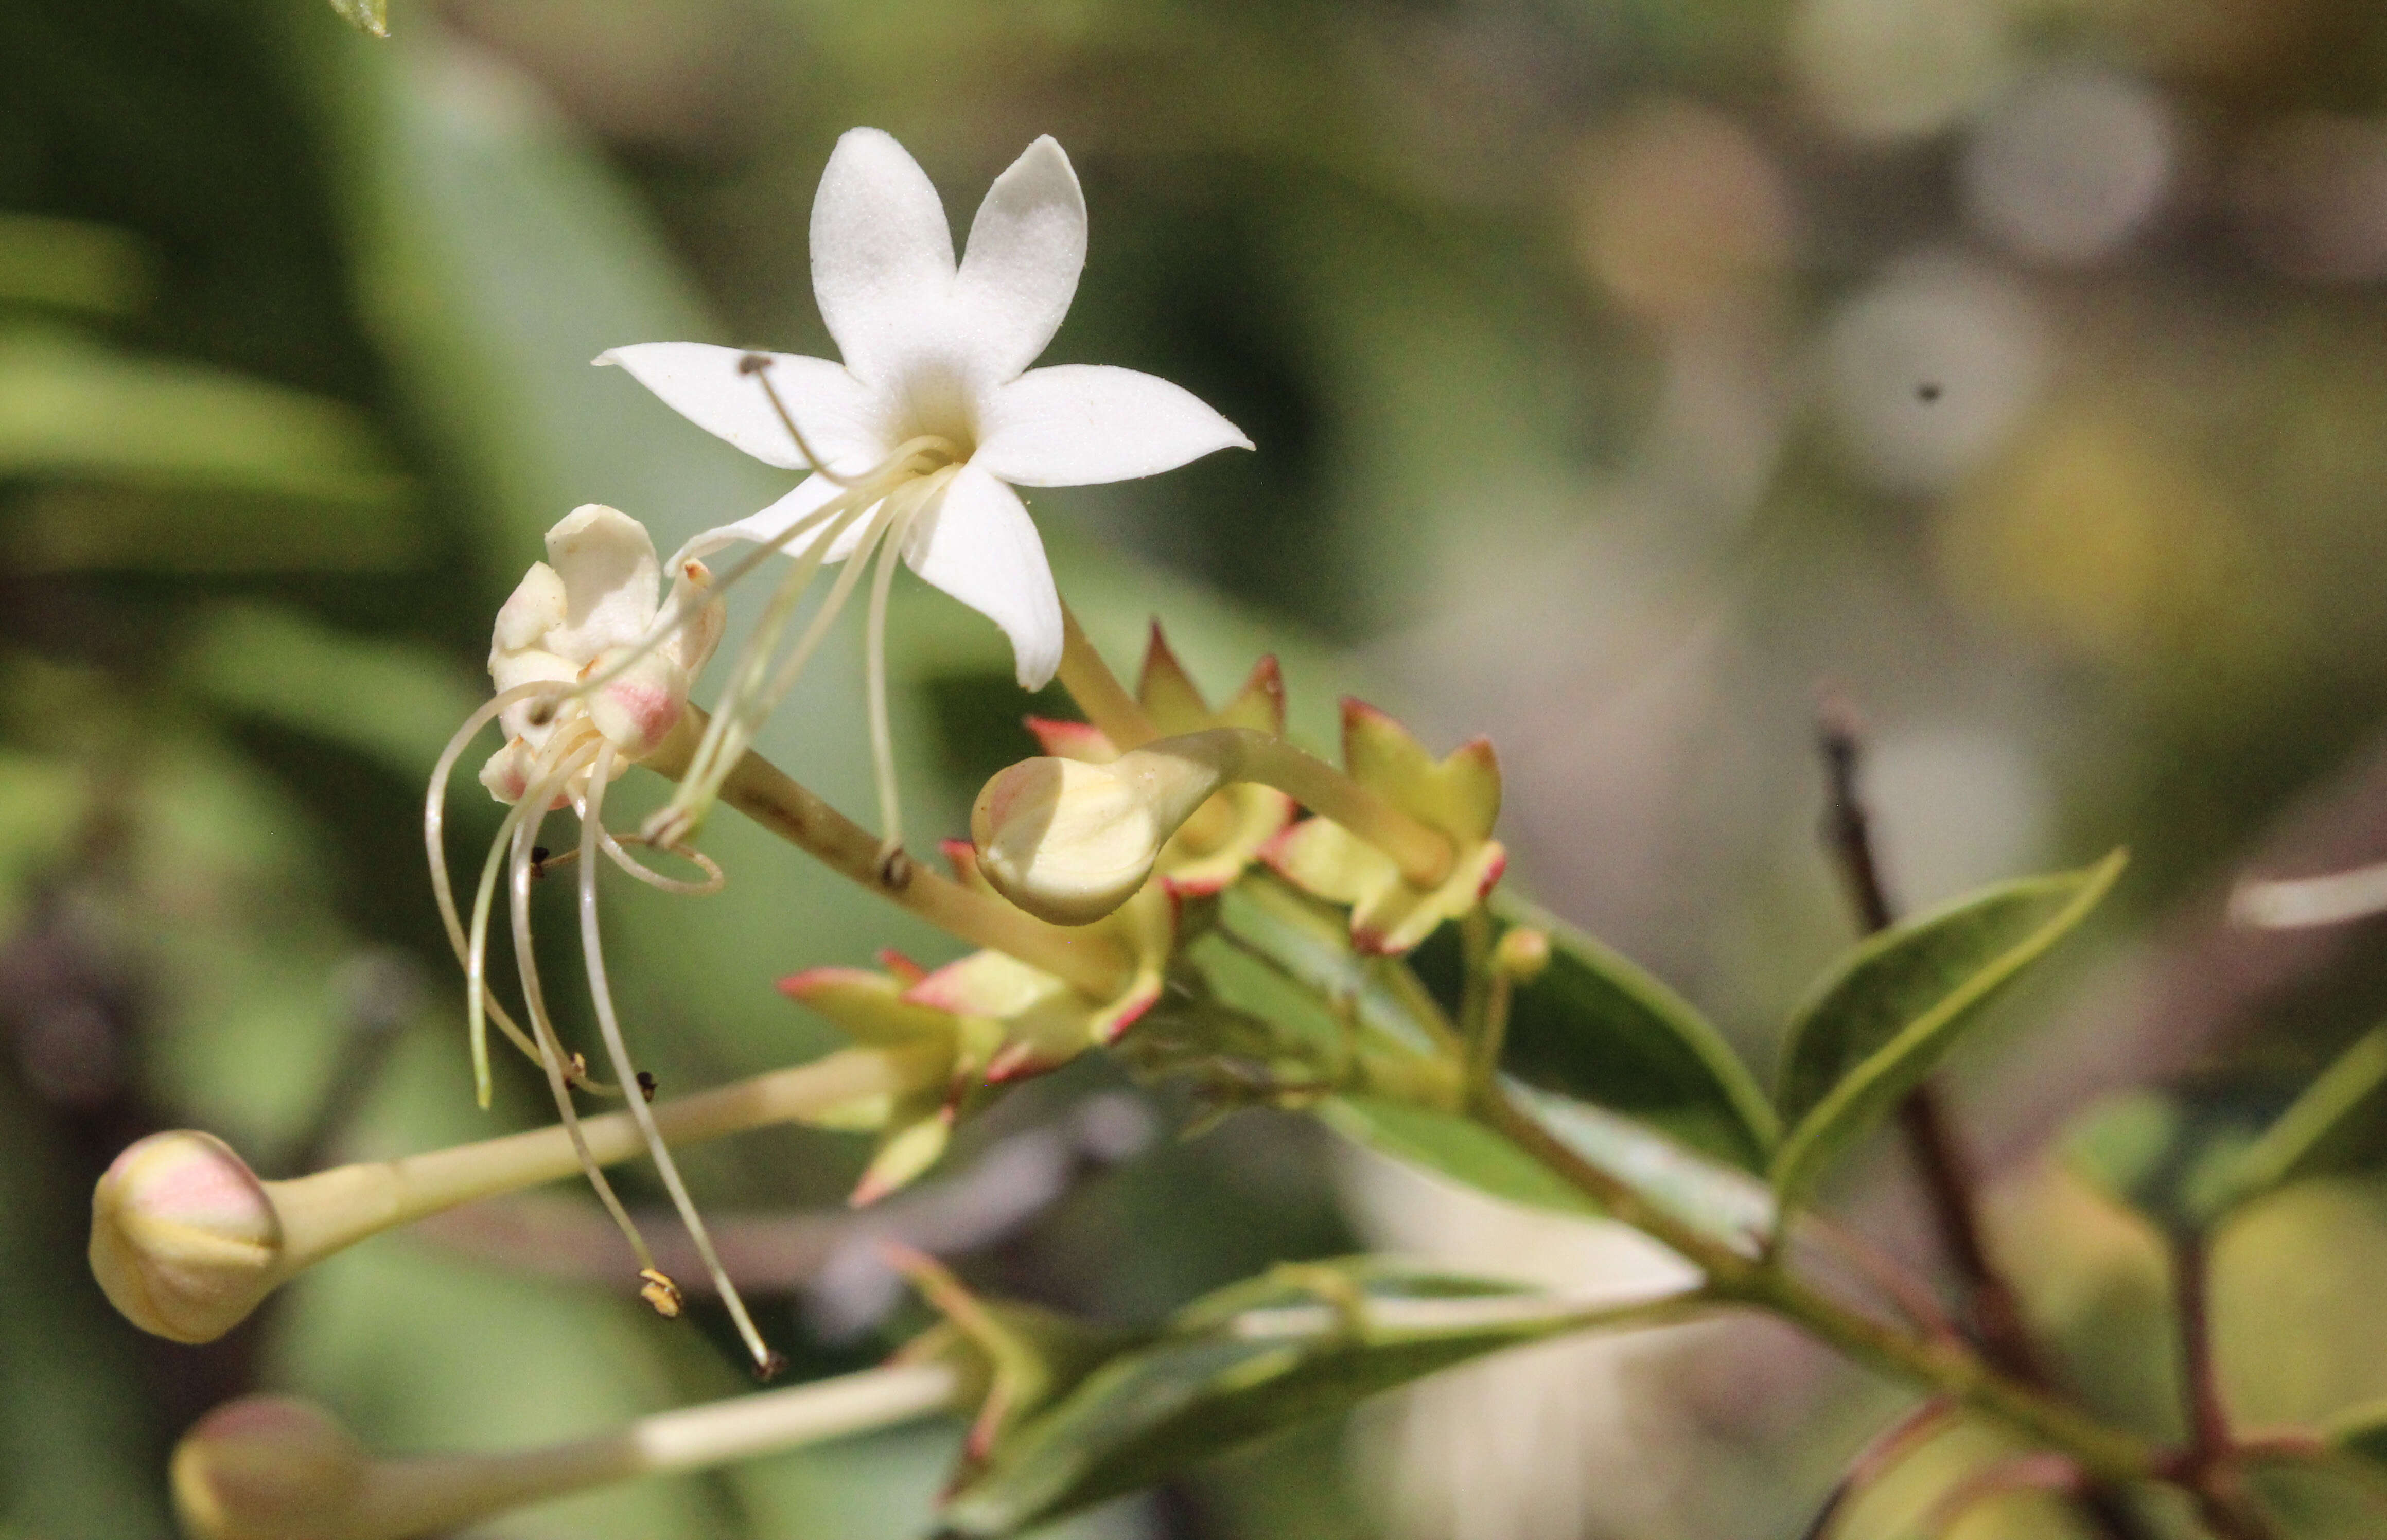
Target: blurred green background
x: 1621, y: 371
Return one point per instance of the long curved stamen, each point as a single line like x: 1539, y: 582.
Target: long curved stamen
x: 570, y: 750
x: 609, y: 1025
x: 434, y: 838
x: 535, y: 1006
x: 729, y: 735
x: 872, y: 484
x: 714, y: 877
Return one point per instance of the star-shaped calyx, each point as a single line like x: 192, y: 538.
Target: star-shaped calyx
x: 1458, y: 797
x: 995, y: 1017
x: 1227, y: 834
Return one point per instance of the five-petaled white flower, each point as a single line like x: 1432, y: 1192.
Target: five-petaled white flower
x: 935, y: 387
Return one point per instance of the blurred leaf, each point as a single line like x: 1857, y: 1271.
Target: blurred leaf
x: 2335, y: 1123
x: 1883, y: 1018
x: 71, y: 409
x: 395, y: 701
x: 2172, y: 1153
x: 1596, y: 1027
x: 71, y: 265
x: 1310, y: 943
x: 2362, y: 1430
x: 1455, y: 1147
x: 1722, y: 1201
x: 1300, y: 1344
x: 43, y: 804
x: 365, y: 16
x: 2186, y: 1155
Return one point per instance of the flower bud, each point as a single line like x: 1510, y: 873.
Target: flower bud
x: 184, y: 1239
x: 1523, y: 954
x: 268, y: 1468
x: 1069, y: 841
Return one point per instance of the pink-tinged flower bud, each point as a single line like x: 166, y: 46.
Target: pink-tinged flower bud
x: 638, y: 710
x: 184, y: 1239
x: 269, y: 1468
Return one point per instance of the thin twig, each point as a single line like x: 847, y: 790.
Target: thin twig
x: 1942, y: 1162
x: 1885, y: 1449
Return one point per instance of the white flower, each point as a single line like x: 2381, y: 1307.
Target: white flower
x: 576, y: 616
x: 935, y: 355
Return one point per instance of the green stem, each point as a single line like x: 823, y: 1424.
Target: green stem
x: 1945, y: 1367
x: 761, y: 790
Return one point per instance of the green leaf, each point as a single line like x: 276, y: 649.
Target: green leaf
x: 1453, y: 1145
x: 70, y: 408
x: 2187, y: 1154
x: 2174, y: 1153
x: 1887, y: 1016
x: 1303, y: 1342
x: 1722, y: 1201
x: 2361, y: 1431
x: 72, y: 265
x: 1595, y: 1026
x: 395, y: 701
x: 365, y: 16
x: 2336, y: 1122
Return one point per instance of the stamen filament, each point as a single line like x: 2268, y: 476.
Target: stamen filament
x: 435, y: 823
x: 535, y: 1000
x: 769, y: 795
x: 592, y: 948
x: 1098, y: 691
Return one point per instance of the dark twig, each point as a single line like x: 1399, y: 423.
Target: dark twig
x: 2209, y: 1463
x: 1888, y: 1447
x: 1941, y: 1161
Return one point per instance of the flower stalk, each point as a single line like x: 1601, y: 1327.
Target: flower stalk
x: 186, y: 1241
x: 273, y: 1469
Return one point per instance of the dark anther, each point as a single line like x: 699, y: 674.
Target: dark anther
x: 646, y: 1085
x: 895, y: 870
x: 539, y: 854
x: 1927, y: 392
x: 753, y: 363
x: 773, y: 1364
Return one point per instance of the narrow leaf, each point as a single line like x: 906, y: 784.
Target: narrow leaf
x: 2335, y: 1122
x: 1887, y: 1016
x: 1595, y: 1026
x: 1300, y: 1344
x: 1723, y: 1202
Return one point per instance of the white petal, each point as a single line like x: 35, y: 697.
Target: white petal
x: 978, y: 543
x: 710, y: 388
x: 1027, y: 248
x: 610, y: 580
x: 1077, y: 424
x: 812, y: 495
x: 882, y: 253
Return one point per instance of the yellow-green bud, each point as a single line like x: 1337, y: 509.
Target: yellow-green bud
x: 184, y: 1239
x: 1069, y: 841
x: 269, y: 1468
x: 1523, y: 954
